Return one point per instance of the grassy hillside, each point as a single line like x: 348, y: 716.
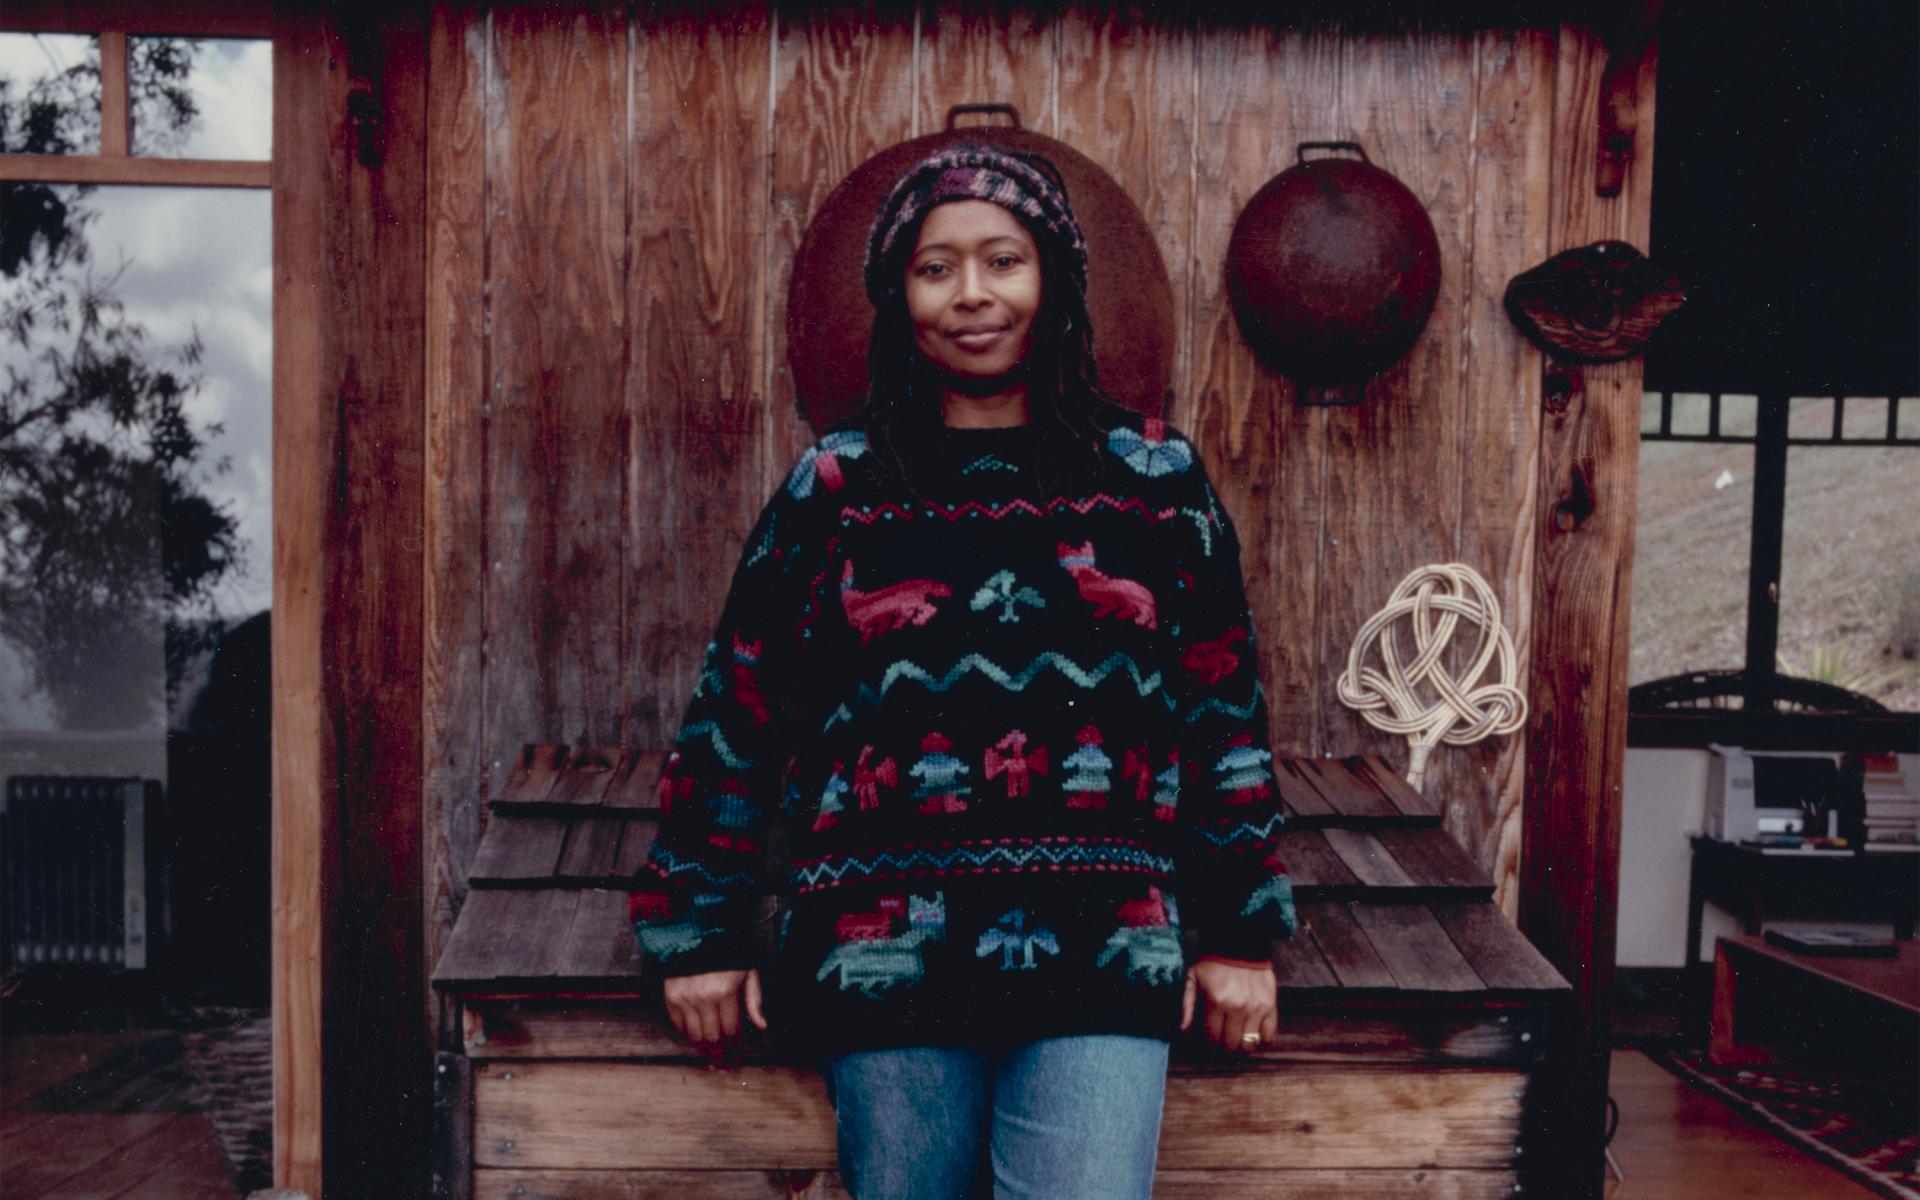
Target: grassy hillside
x: 1850, y: 591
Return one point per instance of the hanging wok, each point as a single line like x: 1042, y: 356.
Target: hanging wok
x: 1333, y: 269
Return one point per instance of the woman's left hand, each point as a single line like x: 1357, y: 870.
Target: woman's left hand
x: 1240, y: 1001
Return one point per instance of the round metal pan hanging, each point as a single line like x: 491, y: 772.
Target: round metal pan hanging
x: 1333, y: 270
x: 1128, y: 296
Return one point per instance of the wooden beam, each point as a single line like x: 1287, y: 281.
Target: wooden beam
x: 116, y: 113
x: 352, y: 1057
x: 1576, y: 728
x: 203, y: 18
x: 142, y: 172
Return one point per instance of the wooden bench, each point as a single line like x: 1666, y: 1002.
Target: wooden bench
x: 1414, y: 1018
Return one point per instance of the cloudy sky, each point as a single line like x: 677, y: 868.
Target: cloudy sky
x: 194, y: 259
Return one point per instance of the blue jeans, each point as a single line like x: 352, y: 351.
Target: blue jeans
x: 1062, y: 1118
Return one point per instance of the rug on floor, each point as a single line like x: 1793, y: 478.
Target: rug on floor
x: 1870, y: 1133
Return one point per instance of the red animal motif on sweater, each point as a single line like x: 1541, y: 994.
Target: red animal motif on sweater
x: 1213, y: 661
x: 1150, y: 909
x: 673, y: 786
x: 909, y: 602
x: 1110, y: 595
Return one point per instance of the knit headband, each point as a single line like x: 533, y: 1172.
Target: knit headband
x: 969, y: 171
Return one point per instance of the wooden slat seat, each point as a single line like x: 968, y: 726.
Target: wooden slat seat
x: 1390, y: 905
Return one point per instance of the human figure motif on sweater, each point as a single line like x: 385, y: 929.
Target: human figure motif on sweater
x: 1088, y: 785
x: 941, y: 789
x: 909, y: 602
x: 1110, y: 596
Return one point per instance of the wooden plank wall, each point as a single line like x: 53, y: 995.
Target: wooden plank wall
x: 615, y: 206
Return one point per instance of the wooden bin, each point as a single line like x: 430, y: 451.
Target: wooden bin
x: 1414, y: 1019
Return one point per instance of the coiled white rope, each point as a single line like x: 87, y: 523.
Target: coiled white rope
x: 1434, y: 600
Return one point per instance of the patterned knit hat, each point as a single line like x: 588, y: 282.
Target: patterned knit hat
x: 1028, y: 186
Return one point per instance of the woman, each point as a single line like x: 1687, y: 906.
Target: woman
x: 990, y: 642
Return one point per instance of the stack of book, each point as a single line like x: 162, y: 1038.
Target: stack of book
x: 1893, y: 811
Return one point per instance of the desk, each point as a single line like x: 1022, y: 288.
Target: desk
x: 1755, y: 886
x: 1863, y: 1012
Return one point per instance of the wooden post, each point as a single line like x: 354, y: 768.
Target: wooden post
x: 352, y: 1061
x: 1576, y: 731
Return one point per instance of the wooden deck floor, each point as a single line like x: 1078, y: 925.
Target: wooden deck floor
x: 139, y: 1144
x: 1674, y: 1143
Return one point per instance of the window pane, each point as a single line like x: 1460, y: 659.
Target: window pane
x: 1690, y: 552
x: 1850, y: 567
x: 201, y: 97
x: 146, y: 339
x: 49, y: 93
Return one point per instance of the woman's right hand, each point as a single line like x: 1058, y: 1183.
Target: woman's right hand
x: 705, y: 1008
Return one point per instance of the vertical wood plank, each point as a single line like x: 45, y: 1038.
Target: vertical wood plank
x: 304, y: 823
x: 1582, y: 584
x: 455, y: 782
x: 349, y: 377
x: 986, y: 52
x: 1259, y: 93
x: 842, y: 92
x: 1126, y: 101
x: 556, y: 126
x: 1392, y: 489
x: 1499, y: 433
x: 697, y: 289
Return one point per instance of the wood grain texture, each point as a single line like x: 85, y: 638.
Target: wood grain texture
x: 1367, y: 859
x: 1390, y: 501
x: 350, y: 250
x: 1415, y: 948
x: 518, y: 850
x: 843, y: 89
x: 509, y: 1184
x: 304, y: 818
x: 551, y: 1029
x: 455, y: 773
x: 1260, y: 92
x: 1125, y: 93
x: 1499, y: 953
x: 1582, y: 584
x: 1345, y: 945
x: 986, y: 52
x: 1312, y: 863
x: 696, y: 286
x: 1499, y: 435
x: 491, y: 1183
x: 580, y: 1115
x: 556, y: 243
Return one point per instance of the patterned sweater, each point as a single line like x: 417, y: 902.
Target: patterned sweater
x: 1018, y: 743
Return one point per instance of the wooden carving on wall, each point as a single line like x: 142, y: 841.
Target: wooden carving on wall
x: 1598, y: 303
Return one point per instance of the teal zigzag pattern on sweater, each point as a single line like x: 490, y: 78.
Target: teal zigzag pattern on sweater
x: 961, y: 859
x: 720, y: 748
x: 1242, y: 831
x: 1145, y: 685
x: 1238, y: 712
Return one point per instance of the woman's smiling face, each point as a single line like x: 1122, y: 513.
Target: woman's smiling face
x: 973, y: 287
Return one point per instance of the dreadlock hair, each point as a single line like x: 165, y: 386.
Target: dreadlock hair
x: 1070, y: 412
